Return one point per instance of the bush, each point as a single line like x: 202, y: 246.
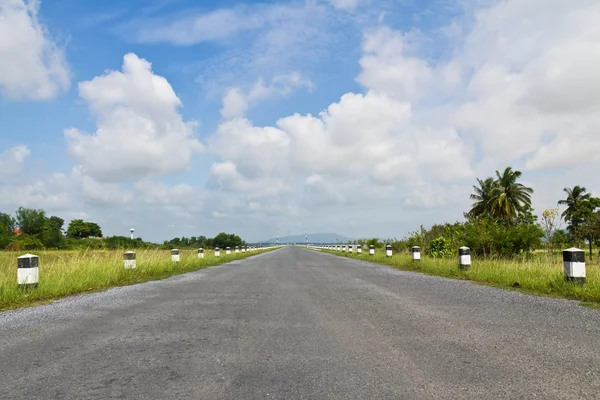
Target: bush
x: 440, y: 248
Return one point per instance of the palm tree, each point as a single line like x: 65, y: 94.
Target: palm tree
x: 575, y: 197
x: 508, y: 196
x: 482, y: 197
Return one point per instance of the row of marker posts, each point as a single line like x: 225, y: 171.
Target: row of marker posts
x: 573, y: 259
x: 28, y: 264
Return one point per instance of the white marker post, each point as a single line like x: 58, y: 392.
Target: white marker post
x: 343, y: 249
x: 371, y: 250
x: 574, y: 265
x: 416, y: 253
x: 464, y: 258
x: 175, y: 255
x: 217, y: 252
x: 129, y: 260
x: 227, y: 250
x: 200, y: 252
x: 350, y: 248
x: 388, y: 251
x: 358, y: 249
x: 244, y: 249
x: 237, y: 249
x: 27, y: 272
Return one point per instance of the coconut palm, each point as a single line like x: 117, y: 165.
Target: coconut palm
x: 482, y: 197
x: 508, y: 196
x: 575, y: 198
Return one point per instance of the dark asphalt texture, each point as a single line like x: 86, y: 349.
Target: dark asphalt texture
x: 299, y: 324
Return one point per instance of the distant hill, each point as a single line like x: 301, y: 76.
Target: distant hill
x: 312, y: 238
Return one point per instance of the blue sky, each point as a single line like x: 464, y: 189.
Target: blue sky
x: 363, y: 117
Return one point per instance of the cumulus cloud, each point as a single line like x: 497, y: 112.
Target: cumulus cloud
x: 12, y: 161
x: 236, y: 102
x: 140, y: 132
x: 32, y: 65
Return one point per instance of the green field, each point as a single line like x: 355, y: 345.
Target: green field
x: 541, y: 274
x: 64, y: 273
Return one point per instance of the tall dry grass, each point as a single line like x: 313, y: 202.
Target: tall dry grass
x: 541, y: 274
x: 64, y: 273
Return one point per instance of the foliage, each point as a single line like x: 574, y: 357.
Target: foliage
x: 549, y: 223
x: 439, y: 248
x: 30, y: 221
x: 80, y: 229
x: 503, y: 198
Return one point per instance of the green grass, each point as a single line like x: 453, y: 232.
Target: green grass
x: 541, y: 275
x: 65, y: 273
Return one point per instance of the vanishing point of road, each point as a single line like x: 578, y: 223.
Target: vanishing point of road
x: 299, y: 324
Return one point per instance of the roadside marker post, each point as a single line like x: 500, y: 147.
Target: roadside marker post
x: 175, y: 257
x: 350, y: 248
x: 228, y: 250
x: 388, y: 250
x: 217, y: 252
x: 371, y: 250
x: 28, y: 271
x: 200, y: 252
x: 574, y: 265
x: 237, y: 249
x: 129, y: 260
x: 464, y: 258
x: 358, y: 249
x: 416, y: 253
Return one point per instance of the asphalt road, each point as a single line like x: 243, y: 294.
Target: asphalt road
x: 298, y: 324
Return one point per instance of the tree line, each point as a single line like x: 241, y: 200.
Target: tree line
x: 501, y: 222
x: 31, y: 229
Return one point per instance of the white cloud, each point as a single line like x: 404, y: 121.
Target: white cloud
x: 140, y: 132
x: 12, y: 162
x: 236, y: 102
x: 32, y: 65
x: 345, y: 4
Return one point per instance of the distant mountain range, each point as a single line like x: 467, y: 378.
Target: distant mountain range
x: 312, y: 238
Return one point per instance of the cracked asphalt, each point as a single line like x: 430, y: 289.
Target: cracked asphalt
x: 299, y: 324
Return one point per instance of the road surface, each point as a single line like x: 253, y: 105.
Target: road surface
x: 299, y: 324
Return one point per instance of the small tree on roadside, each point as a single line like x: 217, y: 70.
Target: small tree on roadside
x: 550, y: 224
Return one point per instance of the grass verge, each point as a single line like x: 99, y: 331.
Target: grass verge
x: 542, y: 276
x: 66, y: 273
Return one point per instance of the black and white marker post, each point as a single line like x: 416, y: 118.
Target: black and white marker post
x: 388, y: 251
x: 464, y: 258
x: 371, y: 250
x: 200, y: 252
x: 574, y: 265
x: 217, y: 252
x: 237, y: 249
x: 416, y: 253
x: 129, y: 260
x: 350, y: 248
x: 175, y: 255
x: 27, y: 272
x: 358, y: 249
x: 228, y: 250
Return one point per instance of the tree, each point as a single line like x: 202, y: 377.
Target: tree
x: 508, y: 196
x: 482, y: 197
x: 588, y: 221
x: 31, y: 221
x: 574, y: 201
x: 549, y: 223
x: 94, y: 229
x: 79, y: 229
x: 7, y: 224
x: 52, y: 235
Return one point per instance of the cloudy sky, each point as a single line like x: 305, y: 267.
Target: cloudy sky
x: 360, y: 117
